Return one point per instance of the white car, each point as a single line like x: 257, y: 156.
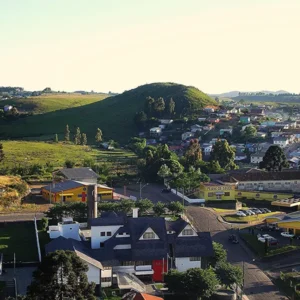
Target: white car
x: 250, y: 212
x: 287, y: 234
x: 264, y: 237
x: 241, y: 214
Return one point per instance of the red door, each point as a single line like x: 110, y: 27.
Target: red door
x: 159, y: 267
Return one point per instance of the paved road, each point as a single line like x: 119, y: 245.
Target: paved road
x: 20, y: 217
x: 258, y: 286
x: 151, y: 191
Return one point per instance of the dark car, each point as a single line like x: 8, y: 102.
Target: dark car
x: 166, y: 190
x: 233, y: 239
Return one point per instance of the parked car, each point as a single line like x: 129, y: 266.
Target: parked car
x: 263, y: 210
x: 266, y: 237
x: 166, y: 190
x: 251, y: 212
x: 246, y: 212
x: 287, y: 234
x: 256, y: 210
x: 240, y: 214
x: 233, y: 239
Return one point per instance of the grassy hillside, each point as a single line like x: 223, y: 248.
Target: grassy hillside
x: 51, y: 102
x: 114, y: 115
x: 270, y: 98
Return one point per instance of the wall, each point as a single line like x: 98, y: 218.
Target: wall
x: 188, y: 227
x: 93, y: 274
x: 106, y: 273
x: 278, y: 185
x: 209, y: 192
x: 184, y: 263
x: 261, y: 195
x: 96, y: 238
x: 148, y: 231
x: 69, y: 230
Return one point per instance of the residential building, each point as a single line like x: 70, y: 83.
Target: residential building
x: 166, y: 121
x: 202, y: 119
x: 261, y: 134
x: 227, y: 130
x: 208, y: 127
x: 257, y: 112
x: 187, y: 135
x: 257, y: 157
x: 139, y: 246
x: 207, y: 149
x: 213, y: 120
x: 209, y: 109
x: 281, y: 141
x: 77, y: 174
x: 155, y: 131
x: 240, y: 155
x: 245, y: 119
x: 73, y: 191
x: 195, y: 128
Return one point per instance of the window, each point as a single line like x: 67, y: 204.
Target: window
x: 101, y: 245
x: 219, y: 197
x: 143, y: 263
x: 287, y: 183
x: 210, y: 194
x: 278, y: 183
x: 187, y: 232
x: 108, y: 233
x: 226, y: 194
x: 127, y: 263
x: 148, y: 235
x: 102, y: 233
x: 106, y: 279
x: 195, y: 258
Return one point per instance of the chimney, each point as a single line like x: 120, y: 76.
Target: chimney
x: 92, y: 202
x: 135, y: 212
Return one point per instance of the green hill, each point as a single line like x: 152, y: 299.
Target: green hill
x: 51, y: 102
x: 114, y: 115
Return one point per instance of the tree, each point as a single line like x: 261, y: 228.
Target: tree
x: 77, y: 136
x: 159, y: 208
x: 98, y: 136
x: 229, y: 274
x: 224, y: 154
x: 274, y: 159
x: 126, y: 205
x: 171, y: 107
x: 1, y: 153
x: 175, y: 207
x: 69, y: 163
x: 164, y: 172
x: 149, y: 106
x: 67, y: 133
x: 83, y: 139
x: 250, y: 132
x: 220, y: 255
x: 159, y: 106
x: 175, y: 281
x: 201, y: 283
x: 55, y: 138
x: 140, y: 119
x: 61, y: 275
x: 144, y: 205
x: 215, y: 168
x: 193, y: 153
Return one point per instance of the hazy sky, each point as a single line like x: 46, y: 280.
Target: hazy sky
x: 115, y: 45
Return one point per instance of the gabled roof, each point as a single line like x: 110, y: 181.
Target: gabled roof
x: 176, y: 226
x: 62, y: 186
x: 108, y: 219
x: 78, y: 173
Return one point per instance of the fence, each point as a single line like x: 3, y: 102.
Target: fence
x: 37, y: 239
x: 189, y: 200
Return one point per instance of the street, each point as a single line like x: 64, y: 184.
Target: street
x: 20, y: 217
x: 258, y: 286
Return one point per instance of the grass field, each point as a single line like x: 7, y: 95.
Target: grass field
x: 18, y: 238
x: 234, y: 218
x: 24, y: 152
x: 52, y: 102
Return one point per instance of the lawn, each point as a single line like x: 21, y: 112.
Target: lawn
x: 18, y: 238
x: 261, y: 217
x: 28, y: 153
x: 223, y: 210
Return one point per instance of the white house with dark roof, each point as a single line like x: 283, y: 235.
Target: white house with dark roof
x: 140, y: 246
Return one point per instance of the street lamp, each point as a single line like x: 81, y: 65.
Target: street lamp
x: 141, y: 187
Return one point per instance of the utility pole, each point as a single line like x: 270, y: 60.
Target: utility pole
x: 141, y: 187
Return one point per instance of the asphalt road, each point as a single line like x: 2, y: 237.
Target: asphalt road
x: 20, y: 217
x: 151, y: 191
x: 258, y: 286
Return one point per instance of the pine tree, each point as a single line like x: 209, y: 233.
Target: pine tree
x: 171, y: 107
x: 55, y: 138
x: 83, y: 139
x: 77, y: 137
x: 1, y: 153
x: 98, y: 136
x: 67, y: 134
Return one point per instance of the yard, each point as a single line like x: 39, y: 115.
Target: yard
x: 254, y: 218
x: 18, y: 238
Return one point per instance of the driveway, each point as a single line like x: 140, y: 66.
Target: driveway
x: 258, y: 286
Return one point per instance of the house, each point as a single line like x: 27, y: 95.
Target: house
x: 282, y: 125
x: 209, y: 109
x: 268, y: 123
x: 258, y: 180
x: 143, y: 247
x: 155, y: 131
x: 187, y: 135
x: 257, y: 112
x: 202, y: 119
x: 166, y: 121
x: 217, y: 191
x: 151, y: 142
x: 294, y: 162
x: 261, y: 134
x: 7, y: 108
x: 73, y: 191
x: 245, y: 119
x: 77, y: 174
x: 213, y: 120
x: 240, y: 155
x: 207, y: 149
x: 222, y: 114
x: 227, y: 130
x: 281, y: 141
x: 208, y: 127
x: 234, y: 110
x: 275, y: 134
x: 134, y: 295
x: 195, y: 128
x: 257, y: 157
x: 107, y: 146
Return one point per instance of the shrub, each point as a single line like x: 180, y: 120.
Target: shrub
x: 69, y: 163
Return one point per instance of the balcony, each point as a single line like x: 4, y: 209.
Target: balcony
x: 144, y: 270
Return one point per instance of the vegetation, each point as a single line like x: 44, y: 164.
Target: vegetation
x: 61, y: 274
x: 1, y: 153
x: 220, y: 255
x: 229, y: 274
x: 274, y: 159
x: 109, y: 114
x: 18, y: 238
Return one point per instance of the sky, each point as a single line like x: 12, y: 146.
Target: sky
x: 116, y: 45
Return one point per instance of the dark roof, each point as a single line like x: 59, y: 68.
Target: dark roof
x: 62, y: 186
x: 200, y: 245
x: 262, y: 176
x: 62, y: 243
x: 78, y: 173
x: 176, y: 226
x: 109, y: 218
